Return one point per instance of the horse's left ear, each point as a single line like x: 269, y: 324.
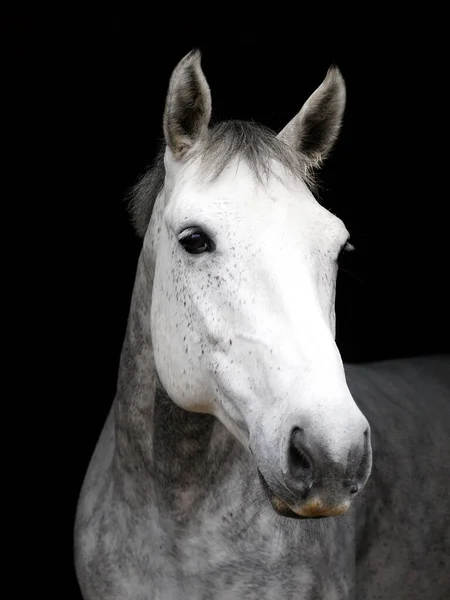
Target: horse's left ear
x: 188, y: 105
x: 314, y: 130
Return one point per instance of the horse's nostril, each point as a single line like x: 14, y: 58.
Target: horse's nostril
x: 354, y: 488
x: 298, y: 458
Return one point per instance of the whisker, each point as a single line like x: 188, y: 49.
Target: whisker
x: 350, y: 273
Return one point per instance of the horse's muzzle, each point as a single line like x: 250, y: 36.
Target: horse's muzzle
x: 309, y: 510
x: 313, y: 485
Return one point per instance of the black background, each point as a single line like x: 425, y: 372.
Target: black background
x: 87, y: 97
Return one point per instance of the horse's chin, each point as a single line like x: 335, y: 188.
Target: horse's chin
x: 280, y: 506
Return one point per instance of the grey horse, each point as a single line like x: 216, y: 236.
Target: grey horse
x: 241, y: 458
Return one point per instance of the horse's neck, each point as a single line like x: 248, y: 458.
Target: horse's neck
x: 135, y: 396
x: 160, y: 448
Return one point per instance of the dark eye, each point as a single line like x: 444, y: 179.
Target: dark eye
x: 347, y: 247
x: 195, y: 241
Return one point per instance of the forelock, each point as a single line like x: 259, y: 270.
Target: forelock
x: 253, y: 143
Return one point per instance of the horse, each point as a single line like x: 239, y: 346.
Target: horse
x: 241, y: 458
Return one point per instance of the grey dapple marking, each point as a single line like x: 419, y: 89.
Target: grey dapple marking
x: 226, y: 352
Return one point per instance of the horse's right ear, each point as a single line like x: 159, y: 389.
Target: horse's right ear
x: 188, y: 106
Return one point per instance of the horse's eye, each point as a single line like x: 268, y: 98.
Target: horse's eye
x: 347, y: 247
x: 195, y: 241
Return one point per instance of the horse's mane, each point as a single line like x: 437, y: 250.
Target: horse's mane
x: 256, y: 144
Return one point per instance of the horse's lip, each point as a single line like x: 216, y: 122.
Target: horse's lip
x: 313, y: 508
x: 279, y: 505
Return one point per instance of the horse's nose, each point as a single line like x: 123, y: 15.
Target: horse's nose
x: 310, y: 465
x: 300, y: 462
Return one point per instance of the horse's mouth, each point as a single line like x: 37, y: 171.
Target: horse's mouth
x: 279, y: 505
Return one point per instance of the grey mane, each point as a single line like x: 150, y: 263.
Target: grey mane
x: 256, y: 144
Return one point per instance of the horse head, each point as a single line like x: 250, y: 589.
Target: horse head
x: 245, y: 261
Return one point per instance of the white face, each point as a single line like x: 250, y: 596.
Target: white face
x: 245, y: 330
x: 243, y: 299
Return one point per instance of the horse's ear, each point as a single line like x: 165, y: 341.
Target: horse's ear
x: 188, y: 105
x: 314, y: 130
